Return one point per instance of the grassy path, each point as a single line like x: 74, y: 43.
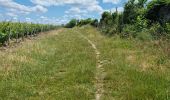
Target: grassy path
x: 56, y: 66
x: 83, y: 64
x: 99, y: 70
x: 135, y: 70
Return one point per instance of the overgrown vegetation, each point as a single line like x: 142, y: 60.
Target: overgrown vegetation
x: 82, y: 22
x: 136, y: 55
x: 71, y: 24
x: 134, y: 70
x: 140, y: 19
x: 63, y: 65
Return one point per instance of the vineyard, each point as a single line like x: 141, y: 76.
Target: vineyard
x: 16, y: 30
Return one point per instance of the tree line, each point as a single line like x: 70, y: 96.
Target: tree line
x: 140, y: 19
x: 75, y: 22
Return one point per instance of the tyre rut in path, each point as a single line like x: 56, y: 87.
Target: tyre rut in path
x: 99, y: 70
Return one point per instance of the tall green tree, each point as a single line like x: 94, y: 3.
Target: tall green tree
x: 129, y: 14
x: 141, y: 3
x: 107, y: 20
x: 132, y: 9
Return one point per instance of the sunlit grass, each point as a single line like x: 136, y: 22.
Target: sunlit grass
x: 63, y: 66
x: 56, y: 67
x: 135, y: 70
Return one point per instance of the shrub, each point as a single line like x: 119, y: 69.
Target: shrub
x: 141, y: 23
x: 157, y: 31
x: 167, y: 29
x: 144, y: 36
x: 86, y: 22
x: 95, y: 23
x: 111, y: 31
x: 128, y: 31
x: 71, y: 24
x: 3, y: 37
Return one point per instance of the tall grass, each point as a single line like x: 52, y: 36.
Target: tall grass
x: 55, y: 67
x: 135, y: 70
x: 62, y: 66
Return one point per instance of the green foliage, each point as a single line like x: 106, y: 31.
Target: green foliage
x: 38, y: 69
x: 133, y: 9
x: 120, y: 23
x: 157, y: 2
x: 141, y: 23
x: 95, y: 23
x: 129, y: 14
x: 129, y: 31
x: 158, y: 11
x: 141, y: 3
x: 111, y: 23
x: 134, y: 21
x: 138, y: 17
x: 144, y: 35
x: 107, y: 20
x: 71, y: 24
x: 162, y: 60
x: 3, y: 37
x: 157, y: 31
x: 135, y: 63
x: 167, y: 29
x: 82, y: 22
x: 85, y: 22
x: 10, y: 30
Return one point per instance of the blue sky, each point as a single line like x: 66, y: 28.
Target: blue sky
x: 55, y: 11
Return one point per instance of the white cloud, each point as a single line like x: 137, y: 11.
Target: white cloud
x: 11, y: 14
x: 43, y: 17
x: 111, y: 1
x: 17, y: 12
x: 16, y: 8
x: 87, y: 5
x: 44, y: 2
x: 64, y: 2
x: 75, y: 10
x: 39, y: 8
x: 119, y: 9
x: 46, y: 20
x: 95, y: 8
x: 78, y: 9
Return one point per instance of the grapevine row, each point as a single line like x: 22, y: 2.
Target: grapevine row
x: 16, y: 30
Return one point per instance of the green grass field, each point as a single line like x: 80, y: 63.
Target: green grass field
x: 61, y: 65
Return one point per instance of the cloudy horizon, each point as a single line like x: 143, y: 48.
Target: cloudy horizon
x: 56, y: 11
